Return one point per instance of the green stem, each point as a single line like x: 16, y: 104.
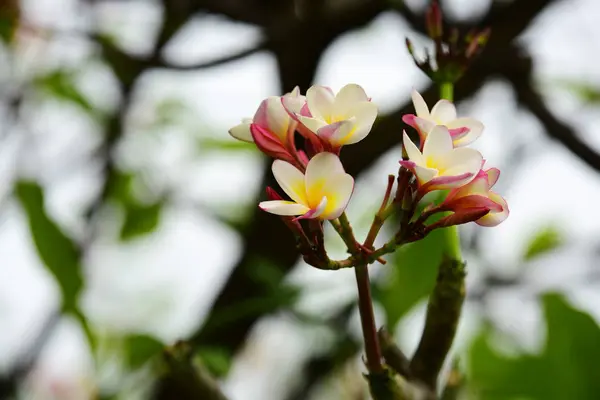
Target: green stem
x: 447, y: 91
x: 451, y: 233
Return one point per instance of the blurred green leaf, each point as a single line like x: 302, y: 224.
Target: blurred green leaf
x: 229, y: 144
x: 545, y: 240
x: 61, y: 84
x: 567, y: 368
x: 57, y: 251
x: 584, y: 91
x: 411, y: 276
x: 216, y: 359
x: 140, y: 219
x: 140, y: 348
x: 9, y: 19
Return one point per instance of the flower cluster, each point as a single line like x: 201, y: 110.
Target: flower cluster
x: 318, y: 187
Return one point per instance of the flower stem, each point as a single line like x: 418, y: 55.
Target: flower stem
x: 365, y: 301
x: 447, y: 91
x: 452, y: 235
x: 367, y: 319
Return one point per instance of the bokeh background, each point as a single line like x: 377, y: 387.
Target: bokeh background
x: 128, y: 215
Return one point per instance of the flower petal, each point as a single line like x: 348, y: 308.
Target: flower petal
x: 293, y: 102
x: 446, y: 182
x: 320, y: 101
x: 438, y: 143
x: 333, y: 133
x: 495, y: 218
x: 461, y: 160
x: 347, y: 97
x: 283, y: 207
x: 419, y: 103
x: 338, y: 192
x: 277, y: 118
x: 242, y: 132
x: 411, y: 150
x: 365, y: 114
x: 291, y: 181
x: 492, y: 176
x: 443, y: 112
x: 321, y: 169
x: 312, y: 124
x: 317, y: 211
x: 475, y: 130
x: 425, y: 174
x: 424, y: 126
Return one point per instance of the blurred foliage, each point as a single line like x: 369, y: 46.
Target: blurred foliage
x: 565, y: 369
x: 140, y: 348
x: 60, y: 84
x: 411, y: 277
x: 9, y: 19
x: 587, y: 92
x: 545, y: 240
x: 57, y: 250
x: 140, y: 218
x: 217, y: 360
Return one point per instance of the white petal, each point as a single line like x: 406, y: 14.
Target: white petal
x: 293, y: 102
x: 461, y: 160
x: 419, y: 103
x: 320, y: 100
x: 365, y: 114
x: 438, y: 143
x: 493, y: 219
x: 242, y: 132
x: 336, y: 132
x: 291, y: 180
x: 475, y: 130
x: 412, y: 151
x: 338, y: 193
x: 312, y: 124
x: 443, y: 112
x: 283, y: 207
x: 425, y: 125
x: 277, y: 118
x: 425, y: 174
x: 318, y: 210
x: 347, y: 97
x: 321, y: 169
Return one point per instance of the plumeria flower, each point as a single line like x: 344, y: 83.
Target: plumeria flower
x: 272, y: 129
x: 477, y: 195
x: 440, y: 165
x: 341, y: 119
x: 463, y: 130
x: 322, y: 192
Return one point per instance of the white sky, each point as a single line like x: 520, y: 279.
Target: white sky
x: 162, y: 283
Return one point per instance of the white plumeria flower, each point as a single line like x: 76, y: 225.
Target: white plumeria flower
x: 272, y: 117
x: 323, y: 192
x: 341, y: 119
x: 462, y: 130
x: 441, y: 166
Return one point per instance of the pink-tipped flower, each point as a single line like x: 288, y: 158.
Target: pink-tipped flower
x: 337, y: 120
x: 463, y: 130
x: 440, y: 165
x: 271, y: 129
x: 323, y: 192
x: 477, y: 194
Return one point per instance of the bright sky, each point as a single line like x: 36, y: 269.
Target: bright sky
x: 162, y: 283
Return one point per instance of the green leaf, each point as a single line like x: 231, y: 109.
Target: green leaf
x: 140, y: 348
x: 566, y: 368
x: 140, y: 219
x: 229, y: 144
x: 544, y: 241
x: 57, y: 251
x: 411, y: 276
x: 61, y: 84
x: 216, y: 359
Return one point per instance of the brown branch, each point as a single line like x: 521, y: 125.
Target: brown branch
x: 520, y: 77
